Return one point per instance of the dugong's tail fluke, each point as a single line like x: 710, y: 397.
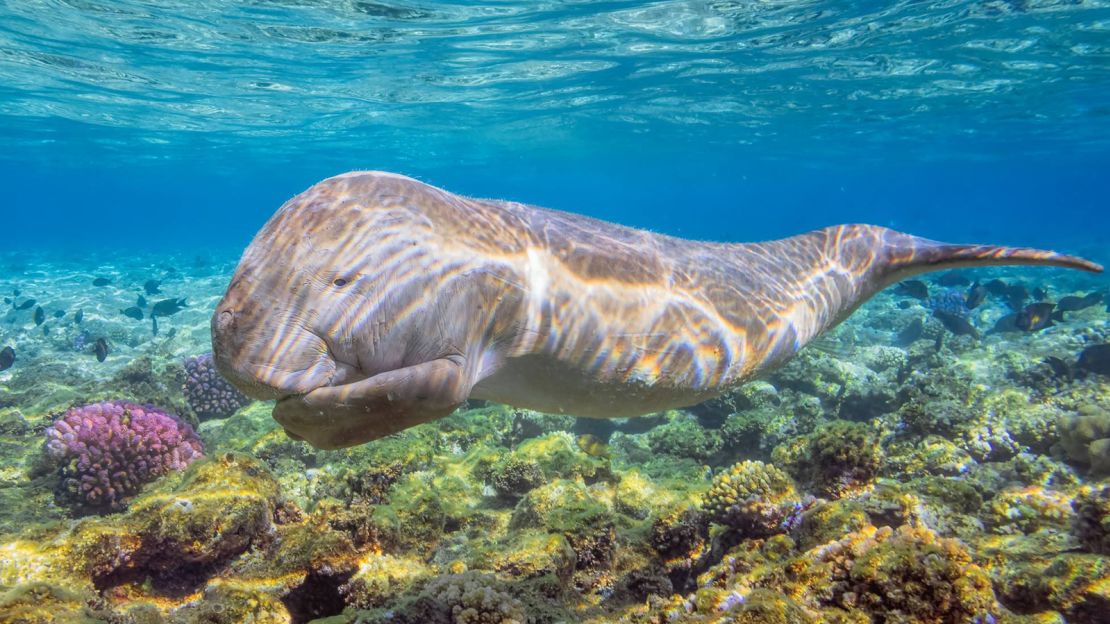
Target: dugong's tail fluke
x: 908, y: 255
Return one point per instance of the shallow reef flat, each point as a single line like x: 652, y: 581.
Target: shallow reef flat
x: 902, y: 469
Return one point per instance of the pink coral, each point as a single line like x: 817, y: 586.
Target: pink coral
x: 106, y: 452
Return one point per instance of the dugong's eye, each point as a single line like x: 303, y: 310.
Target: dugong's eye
x: 340, y: 282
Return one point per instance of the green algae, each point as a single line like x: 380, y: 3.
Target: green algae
x: 953, y: 484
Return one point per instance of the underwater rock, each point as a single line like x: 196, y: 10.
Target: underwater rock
x: 153, y: 380
x: 755, y: 499
x: 513, y: 477
x: 46, y: 603
x: 682, y: 436
x: 1085, y: 438
x: 466, y: 598
x: 908, y: 574
x: 1028, y: 509
x: 210, y: 395
x: 1092, y: 518
x: 838, y: 458
x: 105, y: 452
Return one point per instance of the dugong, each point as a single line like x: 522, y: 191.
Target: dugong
x: 373, y: 302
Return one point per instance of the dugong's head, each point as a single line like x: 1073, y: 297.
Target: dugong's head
x: 274, y: 331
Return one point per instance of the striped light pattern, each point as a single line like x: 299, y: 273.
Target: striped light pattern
x: 372, y: 302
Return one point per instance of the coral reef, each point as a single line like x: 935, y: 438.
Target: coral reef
x: 210, y: 395
x: 958, y: 481
x: 105, y: 452
x: 1092, y: 517
x: 755, y: 499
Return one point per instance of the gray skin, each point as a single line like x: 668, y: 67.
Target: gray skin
x: 372, y: 302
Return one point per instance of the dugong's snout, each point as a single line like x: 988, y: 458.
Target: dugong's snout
x: 266, y: 354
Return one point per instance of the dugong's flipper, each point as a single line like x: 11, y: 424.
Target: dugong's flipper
x: 334, y: 417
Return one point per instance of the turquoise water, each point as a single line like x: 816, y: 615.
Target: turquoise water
x: 146, y: 142
x: 704, y: 119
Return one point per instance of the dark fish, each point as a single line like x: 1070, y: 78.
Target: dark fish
x: 1040, y: 294
x: 1016, y: 296
x: 151, y: 287
x: 15, y: 292
x: 1035, y: 316
x: 153, y: 324
x: 1058, y: 366
x: 167, y: 307
x: 40, y: 315
x: 79, y: 316
x: 7, y: 300
x: 912, y: 288
x: 997, y: 287
x: 953, y: 278
x: 975, y: 295
x: 45, y: 330
x: 101, y: 349
x: 101, y: 281
x: 59, y: 313
x: 133, y: 312
x: 141, y: 301
x: 912, y: 332
x: 1095, y: 358
x: 956, y: 324
x: 1005, y: 324
x: 7, y: 358
x: 1071, y: 303
x: 26, y: 305
x: 592, y: 445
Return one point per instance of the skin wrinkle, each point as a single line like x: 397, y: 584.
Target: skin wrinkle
x: 450, y: 297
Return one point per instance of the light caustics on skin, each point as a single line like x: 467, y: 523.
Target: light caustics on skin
x: 372, y: 302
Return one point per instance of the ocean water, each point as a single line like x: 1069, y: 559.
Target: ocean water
x: 145, y: 142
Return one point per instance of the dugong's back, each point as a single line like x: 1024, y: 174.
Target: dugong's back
x: 372, y: 302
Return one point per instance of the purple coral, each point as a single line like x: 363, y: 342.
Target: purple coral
x: 208, y: 393
x: 106, y: 452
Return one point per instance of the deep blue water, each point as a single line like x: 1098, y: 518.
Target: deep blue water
x: 180, y: 125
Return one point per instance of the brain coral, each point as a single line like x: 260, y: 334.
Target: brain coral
x: 755, y: 498
x: 106, y: 452
x: 208, y: 393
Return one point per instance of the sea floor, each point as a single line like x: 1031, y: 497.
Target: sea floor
x: 902, y: 469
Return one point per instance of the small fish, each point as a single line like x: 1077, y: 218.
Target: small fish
x: 975, y: 295
x: 592, y: 445
x: 40, y: 315
x: 1005, y: 324
x: 1040, y: 294
x: 912, y: 332
x: 7, y: 358
x: 1095, y: 358
x: 59, y: 313
x: 133, y: 312
x: 7, y: 300
x: 1071, y: 303
x: 15, y: 292
x: 45, y: 330
x: 997, y: 287
x: 153, y: 324
x: 101, y: 349
x: 141, y: 301
x: 26, y: 305
x: 166, y: 307
x: 151, y: 287
x: 79, y: 316
x: 101, y: 281
x: 912, y: 288
x: 1016, y: 296
x: 956, y: 324
x: 1058, y: 366
x: 1035, y: 317
x: 953, y: 278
